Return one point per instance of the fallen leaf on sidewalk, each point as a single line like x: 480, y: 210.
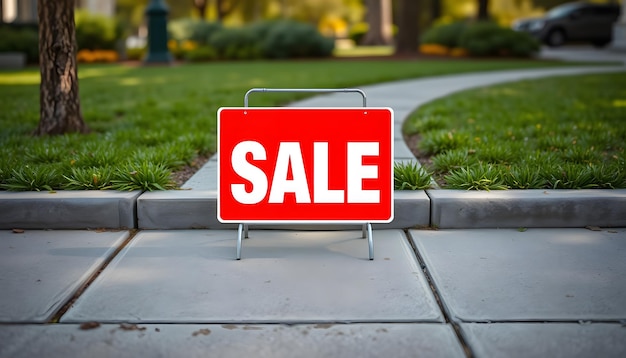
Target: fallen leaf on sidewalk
x: 593, y: 228
x: 89, y: 325
x: 204, y: 331
x: 18, y: 231
x: 131, y: 327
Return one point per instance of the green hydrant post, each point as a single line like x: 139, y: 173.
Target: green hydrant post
x: 156, y: 12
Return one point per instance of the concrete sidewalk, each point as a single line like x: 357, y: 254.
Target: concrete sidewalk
x: 446, y: 293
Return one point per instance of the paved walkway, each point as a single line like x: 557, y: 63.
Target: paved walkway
x: 534, y: 292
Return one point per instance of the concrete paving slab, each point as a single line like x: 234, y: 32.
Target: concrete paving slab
x: 536, y: 275
x: 459, y: 209
x: 272, y: 341
x: 555, y: 340
x: 71, y: 209
x: 41, y: 270
x: 287, y: 277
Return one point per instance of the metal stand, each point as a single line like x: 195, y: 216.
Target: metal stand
x: 242, y: 231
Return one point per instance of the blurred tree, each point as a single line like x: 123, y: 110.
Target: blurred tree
x: 131, y: 13
x: 408, y: 12
x: 483, y: 10
x: 378, y: 17
x: 311, y: 11
x: 435, y: 9
x: 200, y: 7
x: 59, y: 101
x: 224, y: 8
x: 253, y: 10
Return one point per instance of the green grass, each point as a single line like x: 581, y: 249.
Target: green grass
x: 149, y: 121
x: 561, y: 133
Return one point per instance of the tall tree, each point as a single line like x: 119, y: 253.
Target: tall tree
x: 224, y: 8
x: 200, y: 6
x: 58, y: 92
x: 435, y: 9
x: 483, y: 10
x: 378, y: 17
x: 408, y: 27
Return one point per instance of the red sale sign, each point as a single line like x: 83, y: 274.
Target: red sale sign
x: 286, y: 165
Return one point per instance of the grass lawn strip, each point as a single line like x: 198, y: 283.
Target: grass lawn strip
x: 147, y: 122
x: 556, y: 133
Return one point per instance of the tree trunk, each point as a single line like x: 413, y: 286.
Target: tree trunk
x: 378, y: 17
x: 58, y: 92
x: 483, y: 9
x: 200, y: 6
x: 224, y: 8
x: 408, y: 27
x: 435, y: 10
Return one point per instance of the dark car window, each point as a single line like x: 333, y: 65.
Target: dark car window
x: 562, y: 10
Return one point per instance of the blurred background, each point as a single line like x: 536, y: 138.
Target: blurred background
x: 113, y: 30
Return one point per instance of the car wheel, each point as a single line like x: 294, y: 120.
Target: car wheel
x: 555, y: 38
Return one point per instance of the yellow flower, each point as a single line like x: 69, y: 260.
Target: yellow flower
x: 188, y: 45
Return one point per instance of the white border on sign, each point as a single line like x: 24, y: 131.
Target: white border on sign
x: 391, y: 179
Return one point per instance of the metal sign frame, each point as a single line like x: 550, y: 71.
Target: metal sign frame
x: 243, y: 229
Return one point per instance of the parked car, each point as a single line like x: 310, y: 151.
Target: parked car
x: 573, y: 22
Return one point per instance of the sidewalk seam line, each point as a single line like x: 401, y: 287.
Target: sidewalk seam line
x: 433, y: 288
x: 63, y: 310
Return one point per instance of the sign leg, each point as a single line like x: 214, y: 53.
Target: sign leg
x: 239, y: 237
x: 370, y: 240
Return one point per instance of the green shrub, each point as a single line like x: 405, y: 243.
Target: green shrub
x: 290, y: 39
x: 201, y: 54
x: 136, y: 53
x: 236, y: 44
x: 96, y: 32
x: 489, y: 39
x: 198, y: 31
x: 25, y: 40
x: 447, y: 35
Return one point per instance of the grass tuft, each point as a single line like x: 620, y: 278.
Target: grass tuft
x: 144, y: 176
x: 478, y: 177
x: 411, y: 176
x: 28, y: 178
x: 89, y: 179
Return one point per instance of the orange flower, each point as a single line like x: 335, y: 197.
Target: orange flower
x: 434, y: 49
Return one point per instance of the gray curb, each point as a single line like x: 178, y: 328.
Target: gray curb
x: 197, y: 209
x: 68, y: 210
x: 528, y: 208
